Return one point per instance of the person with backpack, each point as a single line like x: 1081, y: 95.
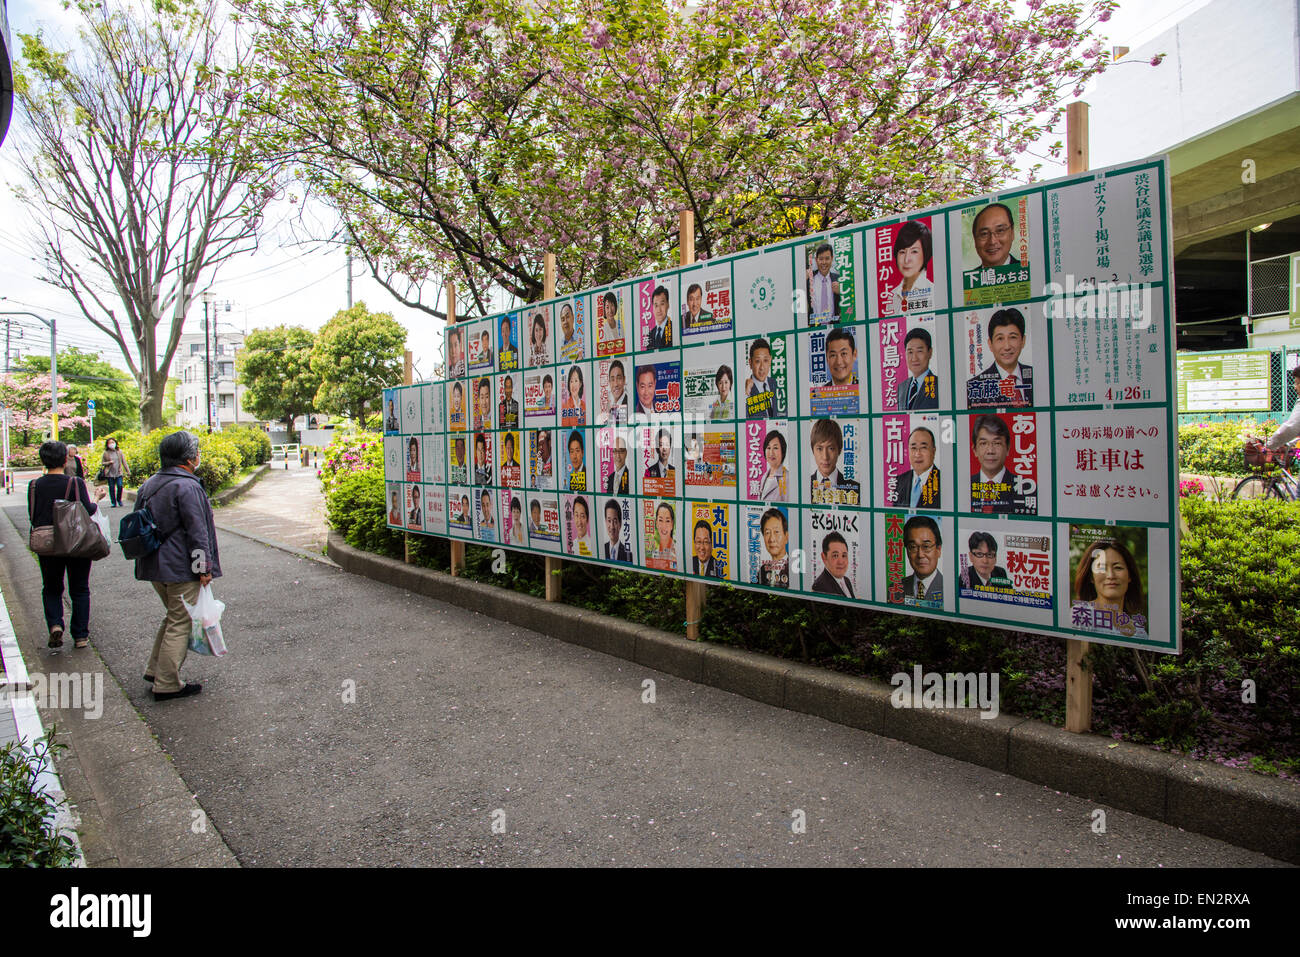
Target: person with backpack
x: 185, y: 560
x: 41, y: 495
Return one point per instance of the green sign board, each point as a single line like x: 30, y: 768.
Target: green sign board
x: 1295, y: 290
x: 1224, y: 382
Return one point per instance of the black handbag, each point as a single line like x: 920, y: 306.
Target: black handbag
x: 75, y: 534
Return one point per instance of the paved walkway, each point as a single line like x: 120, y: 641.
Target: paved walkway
x: 285, y: 507
x: 356, y: 723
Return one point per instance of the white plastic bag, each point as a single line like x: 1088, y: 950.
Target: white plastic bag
x: 205, y: 627
x: 101, y: 523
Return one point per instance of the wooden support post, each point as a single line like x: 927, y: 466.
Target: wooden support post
x: 696, y: 592
x: 457, y: 548
x: 1078, y: 670
x: 408, y: 374
x: 553, y: 565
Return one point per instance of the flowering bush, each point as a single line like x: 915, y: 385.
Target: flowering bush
x: 358, y: 452
x: 1189, y: 487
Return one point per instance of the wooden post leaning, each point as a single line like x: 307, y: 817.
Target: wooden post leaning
x: 408, y: 374
x: 553, y: 565
x: 696, y: 592
x: 457, y: 548
x: 1078, y: 669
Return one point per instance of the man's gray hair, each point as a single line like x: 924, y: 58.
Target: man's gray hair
x: 178, y: 448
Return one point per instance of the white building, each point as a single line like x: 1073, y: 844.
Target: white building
x: 192, y: 365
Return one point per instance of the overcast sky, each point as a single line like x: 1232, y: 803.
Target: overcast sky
x: 286, y: 281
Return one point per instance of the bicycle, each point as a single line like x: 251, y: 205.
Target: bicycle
x: 1281, y: 485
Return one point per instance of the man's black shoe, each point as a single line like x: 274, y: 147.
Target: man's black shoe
x: 192, y: 688
x: 149, y: 678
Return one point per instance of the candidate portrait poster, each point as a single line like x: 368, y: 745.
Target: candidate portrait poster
x: 832, y: 462
x: 508, y: 342
x: 478, y: 340
x: 510, y: 391
x: 576, y: 472
x: 615, y: 465
x: 659, y: 459
x: 832, y: 371
x: 915, y: 570
x: 573, y: 402
x: 911, y: 473
x: 392, y: 420
x: 836, y: 552
x: 579, y: 535
x: 414, y: 468
x: 540, y: 348
x: 541, y: 459
x: 706, y: 308
x: 770, y: 462
x: 1007, y: 466
x: 903, y: 256
x: 709, y: 383
x: 460, y: 510
x: 1110, y: 580
x: 830, y: 292
x: 617, y: 530
x: 765, y: 378
x: 455, y: 353
x: 711, y: 540
x: 656, y: 315
x: 1004, y: 570
x: 539, y: 397
x: 998, y: 356
x: 573, y: 329
x: 661, y: 545
x: 483, y: 459
x: 510, y: 468
x: 457, y: 407
x: 911, y: 373
x: 658, y: 389
x: 458, y: 460
x: 485, y: 516
x: 414, y: 506
x: 395, y: 500
x: 767, y: 538
x: 997, y: 249
x: 611, y: 321
x: 514, y: 527
x: 544, y: 523
x: 482, y: 393
x: 614, y: 397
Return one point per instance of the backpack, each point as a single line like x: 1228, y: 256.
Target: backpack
x: 137, y: 533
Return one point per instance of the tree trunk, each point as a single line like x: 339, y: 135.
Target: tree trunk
x: 151, y: 402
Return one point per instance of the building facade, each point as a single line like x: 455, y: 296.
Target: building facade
x: 192, y: 367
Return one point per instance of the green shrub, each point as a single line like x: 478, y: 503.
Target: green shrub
x: 222, y: 455
x: 1215, y: 448
x: 355, y: 506
x: 27, y: 837
x: 254, y: 445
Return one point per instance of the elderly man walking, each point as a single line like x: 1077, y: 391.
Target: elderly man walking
x: 185, y: 560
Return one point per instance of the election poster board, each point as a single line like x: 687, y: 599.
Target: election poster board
x: 966, y: 413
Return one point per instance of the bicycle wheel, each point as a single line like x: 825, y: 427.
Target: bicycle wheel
x: 1256, y: 486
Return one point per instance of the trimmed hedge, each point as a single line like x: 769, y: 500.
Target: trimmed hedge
x: 1215, y: 448
x: 222, y: 455
x: 1241, y: 621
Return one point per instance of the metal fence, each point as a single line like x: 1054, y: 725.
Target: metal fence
x: 1282, y: 395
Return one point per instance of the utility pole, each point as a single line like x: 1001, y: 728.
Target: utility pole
x: 54, y: 367
x: 207, y: 357
x: 348, y: 234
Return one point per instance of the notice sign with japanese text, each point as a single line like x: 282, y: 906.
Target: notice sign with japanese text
x: 965, y: 412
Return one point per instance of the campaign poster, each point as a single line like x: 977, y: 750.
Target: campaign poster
x: 435, y: 458
x: 996, y: 246
x: 912, y: 357
x: 767, y: 542
x: 615, y: 465
x: 537, y: 321
x: 394, y: 495
x: 414, y: 507
x: 435, y: 510
x: 483, y: 470
x: 412, y: 409
x: 1006, y: 465
x: 482, y: 417
x: 513, y: 530
x: 573, y: 329
x: 576, y: 476
x: 1109, y: 567
x: 764, y: 288
x: 911, y: 474
x: 998, y: 356
x: 573, y: 401
x: 617, y: 530
x: 394, y: 458
x: 829, y: 282
x: 658, y: 389
x: 541, y: 459
x: 509, y: 391
x: 478, y: 336
x: 1004, y: 569
x: 539, y: 397
x: 655, y: 300
x: 765, y: 377
x: 915, y: 572
x: 460, y: 513
x: 457, y: 408
x: 485, y: 516
x: 661, y: 540
x: 831, y: 363
x: 836, y: 461
x: 455, y: 357
x: 544, y: 521
x: 836, y: 552
x: 706, y: 301
x: 392, y: 421
x: 414, y: 470
x: 709, y: 383
x: 614, y: 402
x: 579, y: 535
x: 510, y: 467
x: 769, y: 461
x: 712, y: 534
x: 710, y: 457
x: 433, y: 398
x: 508, y: 342
x: 904, y: 267
x: 1113, y: 464
x: 611, y: 325
x: 658, y: 456
x: 458, y: 460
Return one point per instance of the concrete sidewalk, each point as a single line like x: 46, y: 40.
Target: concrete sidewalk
x: 285, y: 508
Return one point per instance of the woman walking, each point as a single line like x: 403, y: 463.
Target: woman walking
x: 41, y: 495
x: 114, y: 468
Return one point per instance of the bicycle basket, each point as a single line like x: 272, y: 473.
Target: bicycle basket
x: 1256, y: 455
